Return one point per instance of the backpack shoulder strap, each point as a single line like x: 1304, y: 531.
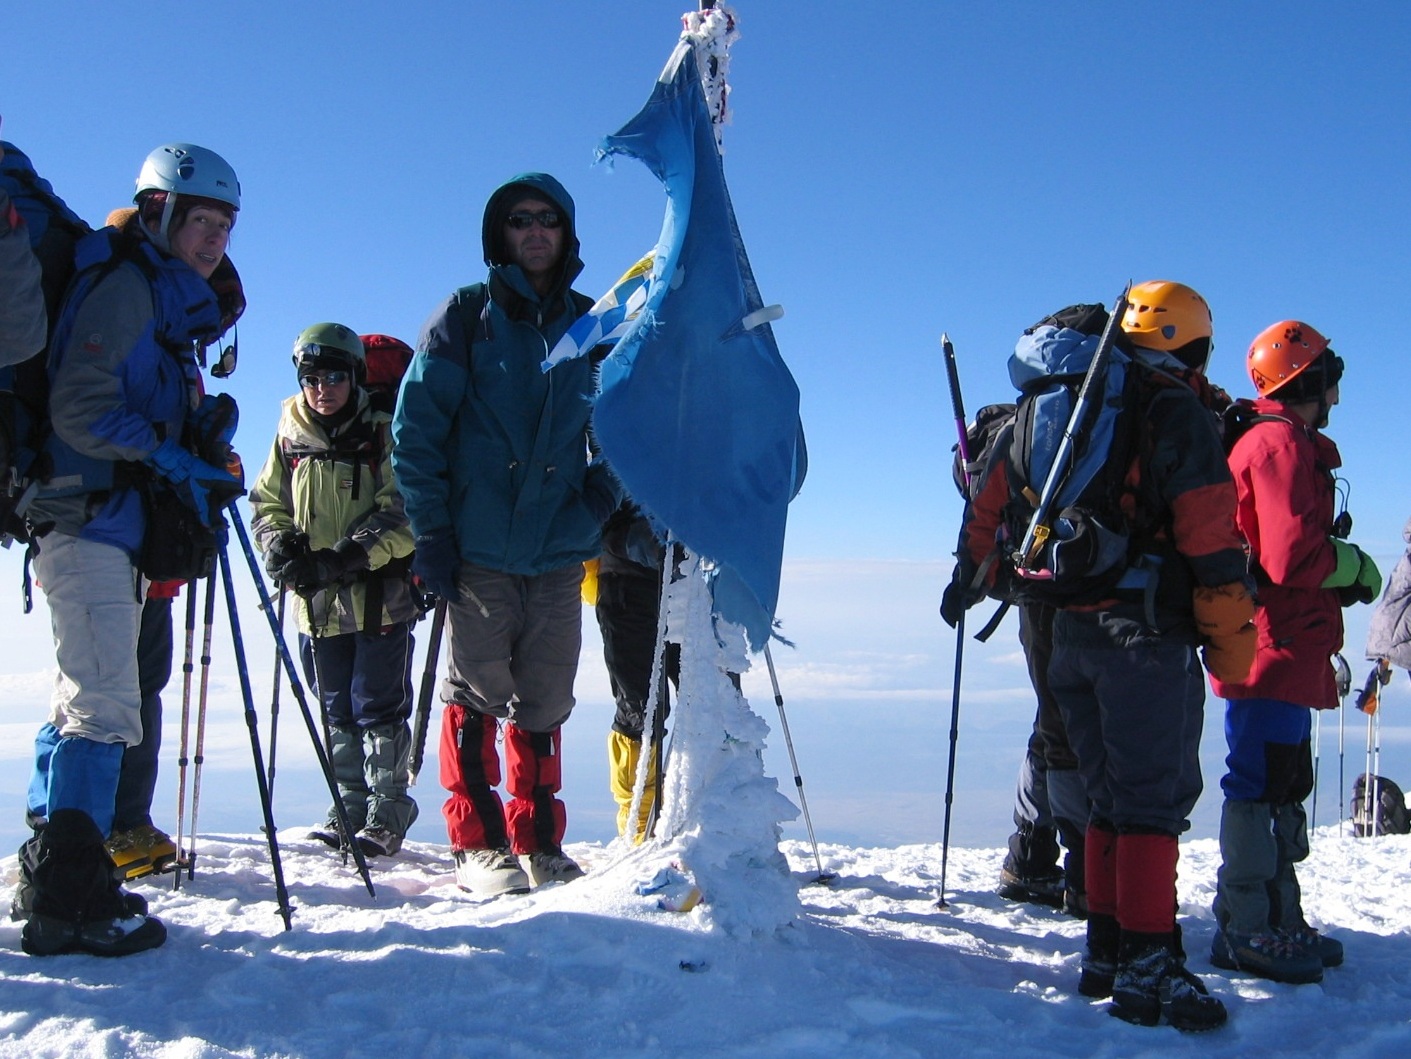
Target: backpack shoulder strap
x: 473, y: 301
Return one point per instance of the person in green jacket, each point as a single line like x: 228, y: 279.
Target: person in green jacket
x: 332, y: 527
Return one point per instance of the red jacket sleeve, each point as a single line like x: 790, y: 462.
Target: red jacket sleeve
x: 1285, y: 507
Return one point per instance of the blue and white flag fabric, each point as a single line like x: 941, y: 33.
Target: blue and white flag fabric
x: 609, y: 317
x: 697, y: 413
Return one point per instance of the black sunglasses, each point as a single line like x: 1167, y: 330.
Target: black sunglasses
x: 521, y: 219
x: 328, y: 378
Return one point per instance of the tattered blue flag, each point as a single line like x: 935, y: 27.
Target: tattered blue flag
x: 608, y: 319
x: 698, y: 415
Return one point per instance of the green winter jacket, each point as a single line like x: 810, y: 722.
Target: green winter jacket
x: 334, y: 488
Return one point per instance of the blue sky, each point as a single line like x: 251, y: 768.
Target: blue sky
x: 897, y: 169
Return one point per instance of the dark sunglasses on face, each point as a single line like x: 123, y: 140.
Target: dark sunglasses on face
x: 520, y: 220
x: 328, y: 378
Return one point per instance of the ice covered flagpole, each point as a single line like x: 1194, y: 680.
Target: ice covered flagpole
x: 720, y: 815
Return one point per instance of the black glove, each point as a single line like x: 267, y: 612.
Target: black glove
x: 287, y: 547
x: 315, y: 570
x: 959, y: 596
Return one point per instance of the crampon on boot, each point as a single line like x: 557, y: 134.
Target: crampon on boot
x: 142, y: 850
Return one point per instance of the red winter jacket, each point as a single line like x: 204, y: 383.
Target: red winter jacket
x: 1283, y: 473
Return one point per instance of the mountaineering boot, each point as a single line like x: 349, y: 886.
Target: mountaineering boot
x: 1030, y: 872
x: 624, y: 753
x: 546, y: 866
x: 1328, y: 950
x: 1285, y: 894
x: 1099, y: 966
x: 22, y: 904
x: 141, y: 851
x: 378, y: 841
x: 390, y: 811
x: 1248, y: 896
x: 489, y: 872
x: 1152, y: 985
x: 1040, y: 889
x: 1275, y: 955
x: 77, y: 904
x: 330, y: 833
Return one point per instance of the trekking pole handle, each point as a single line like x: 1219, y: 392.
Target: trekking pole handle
x: 957, y: 404
x: 1369, y: 698
x: 1039, y: 528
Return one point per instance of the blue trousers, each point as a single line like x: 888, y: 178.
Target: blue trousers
x: 1270, y: 758
x: 362, y: 679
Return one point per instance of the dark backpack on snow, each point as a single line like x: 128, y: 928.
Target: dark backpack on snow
x: 1386, y: 815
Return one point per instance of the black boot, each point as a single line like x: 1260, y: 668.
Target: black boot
x: 1100, y: 961
x: 1030, y: 872
x: 77, y: 904
x: 1153, y: 985
x: 23, y: 901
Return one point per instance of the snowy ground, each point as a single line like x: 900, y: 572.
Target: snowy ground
x: 870, y: 967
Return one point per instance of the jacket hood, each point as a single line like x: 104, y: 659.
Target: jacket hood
x: 542, y: 186
x: 299, y: 424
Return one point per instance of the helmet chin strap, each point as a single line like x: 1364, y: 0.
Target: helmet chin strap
x: 162, y: 236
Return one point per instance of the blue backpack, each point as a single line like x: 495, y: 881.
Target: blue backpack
x: 1087, y: 553
x: 54, y: 231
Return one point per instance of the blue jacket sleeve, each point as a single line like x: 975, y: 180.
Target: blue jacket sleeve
x: 430, y: 397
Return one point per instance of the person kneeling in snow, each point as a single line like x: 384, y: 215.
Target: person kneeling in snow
x: 331, y: 524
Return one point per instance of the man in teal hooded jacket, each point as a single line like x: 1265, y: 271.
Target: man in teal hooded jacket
x: 491, y: 453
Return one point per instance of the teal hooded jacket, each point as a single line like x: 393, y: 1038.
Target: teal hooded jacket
x: 487, y: 444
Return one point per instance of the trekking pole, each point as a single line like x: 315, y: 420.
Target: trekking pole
x: 424, y: 693
x: 1317, y: 739
x: 286, y: 911
x: 298, y: 690
x: 1342, y: 678
x: 199, y: 758
x: 274, y: 695
x: 1369, y: 701
x: 1376, y: 785
x: 958, y: 407
x: 1089, y: 395
x: 823, y: 876
x: 181, y: 760
x: 1342, y: 730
